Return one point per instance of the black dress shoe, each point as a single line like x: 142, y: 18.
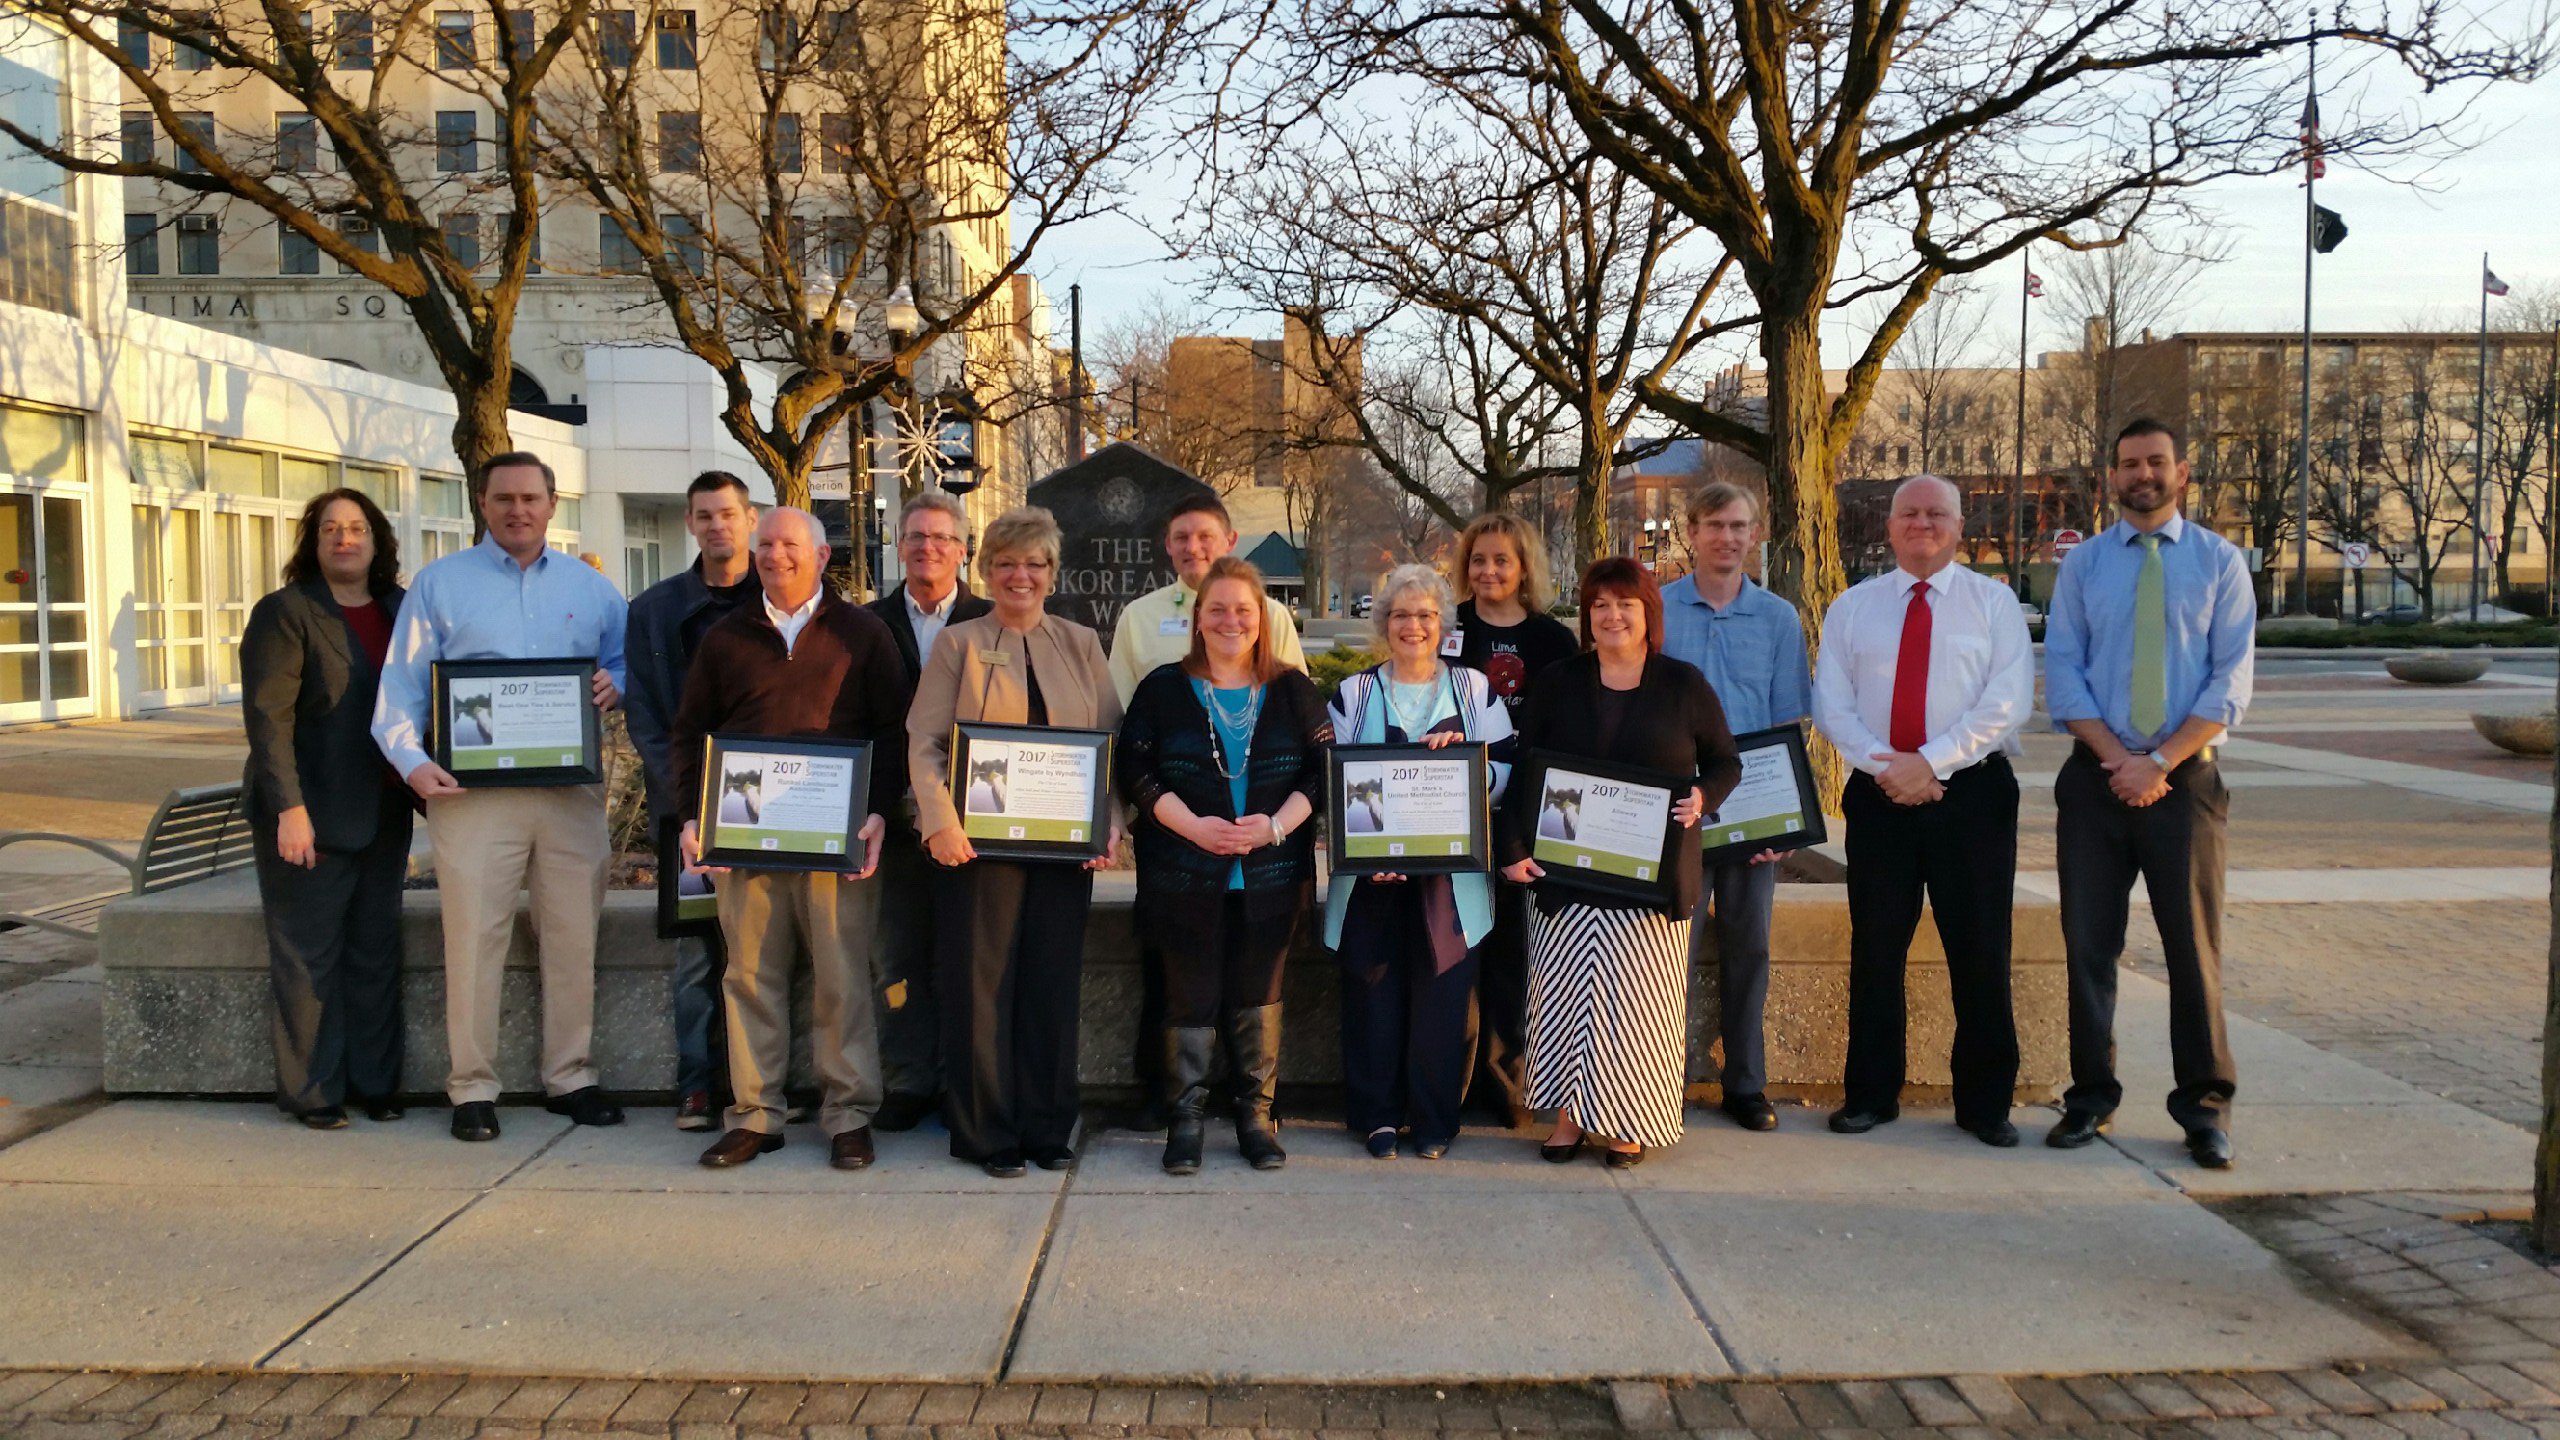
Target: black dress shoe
x: 738, y: 1147
x: 1052, y: 1157
x: 1561, y: 1154
x: 1005, y: 1166
x: 1431, y: 1149
x: 2075, y: 1129
x: 327, y: 1117
x: 2211, y: 1147
x: 475, y: 1120
x: 1998, y: 1134
x: 1622, y: 1159
x: 901, y: 1113
x: 1751, y: 1112
x: 586, y: 1105
x: 1848, y: 1121
x: 852, y: 1149
x: 383, y: 1111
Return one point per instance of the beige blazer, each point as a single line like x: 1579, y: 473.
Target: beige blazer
x: 976, y: 673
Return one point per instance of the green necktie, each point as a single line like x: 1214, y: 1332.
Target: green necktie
x: 2150, y: 643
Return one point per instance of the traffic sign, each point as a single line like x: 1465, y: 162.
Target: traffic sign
x: 2357, y: 554
x: 2064, y: 540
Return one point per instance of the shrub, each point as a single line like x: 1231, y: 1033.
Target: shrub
x: 1329, y: 668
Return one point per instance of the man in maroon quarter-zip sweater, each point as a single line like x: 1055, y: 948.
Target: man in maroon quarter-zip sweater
x: 798, y: 662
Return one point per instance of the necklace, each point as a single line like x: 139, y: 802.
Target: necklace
x: 1237, y: 727
x: 1412, y: 728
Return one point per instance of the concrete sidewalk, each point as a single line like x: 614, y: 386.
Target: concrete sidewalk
x: 181, y: 1235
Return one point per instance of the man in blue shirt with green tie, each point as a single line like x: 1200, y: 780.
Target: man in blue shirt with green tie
x: 2148, y: 661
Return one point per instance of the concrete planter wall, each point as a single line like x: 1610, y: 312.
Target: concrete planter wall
x: 187, y: 996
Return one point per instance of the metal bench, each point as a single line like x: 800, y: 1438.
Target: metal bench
x: 198, y: 833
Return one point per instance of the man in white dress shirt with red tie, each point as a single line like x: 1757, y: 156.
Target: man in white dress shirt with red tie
x: 1924, y: 678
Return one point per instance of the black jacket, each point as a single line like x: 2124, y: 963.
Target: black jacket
x: 306, y: 699
x: 1164, y: 746
x: 1675, y: 724
x: 655, y: 658
x: 892, y: 610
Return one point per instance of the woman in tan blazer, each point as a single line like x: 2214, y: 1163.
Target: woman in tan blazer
x: 1009, y: 934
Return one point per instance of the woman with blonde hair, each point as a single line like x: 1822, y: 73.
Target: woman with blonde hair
x: 1503, y: 630
x: 1008, y: 934
x: 1221, y: 761
x: 1408, y: 944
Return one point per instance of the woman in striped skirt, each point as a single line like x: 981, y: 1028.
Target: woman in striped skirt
x: 1608, y: 975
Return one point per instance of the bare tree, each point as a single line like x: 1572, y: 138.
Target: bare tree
x: 812, y: 160
x: 2422, y: 473
x: 1854, y: 148
x: 2114, y: 299
x: 446, y: 222
x: 2517, y: 446
x: 1204, y: 403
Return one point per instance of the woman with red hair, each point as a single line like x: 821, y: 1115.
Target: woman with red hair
x: 1608, y: 976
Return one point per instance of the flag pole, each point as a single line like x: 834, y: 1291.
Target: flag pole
x: 2310, y: 232
x: 2480, y: 453
x: 2018, y: 481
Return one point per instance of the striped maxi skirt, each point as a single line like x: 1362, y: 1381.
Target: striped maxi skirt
x: 1609, y: 1020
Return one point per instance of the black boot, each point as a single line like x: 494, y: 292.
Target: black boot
x: 1253, y: 1043
x: 1187, y: 1050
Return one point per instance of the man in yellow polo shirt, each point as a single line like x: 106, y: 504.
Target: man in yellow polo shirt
x: 1156, y: 627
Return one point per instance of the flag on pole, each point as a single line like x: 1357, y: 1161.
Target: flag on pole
x: 2328, y: 229
x: 2311, y: 158
x: 2035, y: 286
x: 2490, y: 282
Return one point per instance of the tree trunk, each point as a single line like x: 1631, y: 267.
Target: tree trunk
x: 1590, y: 519
x: 1804, y: 510
x: 2546, y: 1153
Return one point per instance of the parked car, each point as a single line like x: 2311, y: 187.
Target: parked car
x: 1360, y: 607
x: 2033, y: 614
x: 2405, y: 613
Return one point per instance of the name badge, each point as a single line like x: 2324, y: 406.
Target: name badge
x: 994, y: 657
x: 1452, y: 643
x: 1174, y: 625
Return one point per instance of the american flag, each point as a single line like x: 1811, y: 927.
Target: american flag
x: 2035, y: 286
x: 2319, y: 167
x: 2490, y: 282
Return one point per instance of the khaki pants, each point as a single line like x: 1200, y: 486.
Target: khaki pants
x: 771, y: 918
x: 548, y: 841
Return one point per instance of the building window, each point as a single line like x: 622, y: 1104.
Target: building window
x: 359, y: 232
x: 1878, y: 457
x: 839, y: 40
x: 519, y: 34
x: 777, y: 40
x: 199, y: 125
x: 676, y: 47
x: 353, y: 40
x: 199, y: 245
x: 679, y: 142
x: 296, y: 253
x: 297, y: 144
x: 139, y: 138
x: 462, y: 238
x: 684, y: 242
x: 786, y: 144
x: 188, y: 55
x: 1902, y: 456
x: 617, y: 35
x: 457, y: 45
x: 835, y: 144
x: 141, y: 244
x: 457, y: 141
x: 135, y: 42
x: 2044, y: 455
x: 615, y: 254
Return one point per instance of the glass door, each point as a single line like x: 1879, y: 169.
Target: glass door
x: 242, y: 565
x: 169, y: 607
x: 44, y: 616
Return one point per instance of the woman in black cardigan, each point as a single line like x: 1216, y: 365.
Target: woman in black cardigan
x: 1608, y: 977
x: 1221, y: 758
x: 330, y: 818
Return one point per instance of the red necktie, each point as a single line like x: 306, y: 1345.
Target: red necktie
x: 1910, y: 728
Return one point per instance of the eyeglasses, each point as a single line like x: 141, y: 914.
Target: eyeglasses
x: 918, y: 537
x: 357, y: 531
x: 1412, y: 617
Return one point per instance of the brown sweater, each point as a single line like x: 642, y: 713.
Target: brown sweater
x: 843, y: 680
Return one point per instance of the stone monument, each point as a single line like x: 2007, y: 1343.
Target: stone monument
x: 1110, y: 507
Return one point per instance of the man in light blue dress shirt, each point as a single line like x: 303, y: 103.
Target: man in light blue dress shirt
x: 510, y: 597
x: 2148, y: 660
x: 1750, y: 646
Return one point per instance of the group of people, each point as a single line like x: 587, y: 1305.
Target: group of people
x: 945, y: 979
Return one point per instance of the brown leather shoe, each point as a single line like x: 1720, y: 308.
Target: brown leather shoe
x: 738, y: 1147
x: 852, y: 1149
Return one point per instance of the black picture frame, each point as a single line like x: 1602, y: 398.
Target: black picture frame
x: 687, y: 901
x: 1052, y: 838
x: 1351, y: 854
x: 1723, y: 842
x: 744, y: 844
x: 1643, y: 879
x: 476, y: 763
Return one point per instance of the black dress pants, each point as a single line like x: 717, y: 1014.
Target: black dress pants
x: 1009, y: 966
x: 333, y: 962
x: 2175, y: 845
x: 1961, y: 851
x: 1404, y: 1033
